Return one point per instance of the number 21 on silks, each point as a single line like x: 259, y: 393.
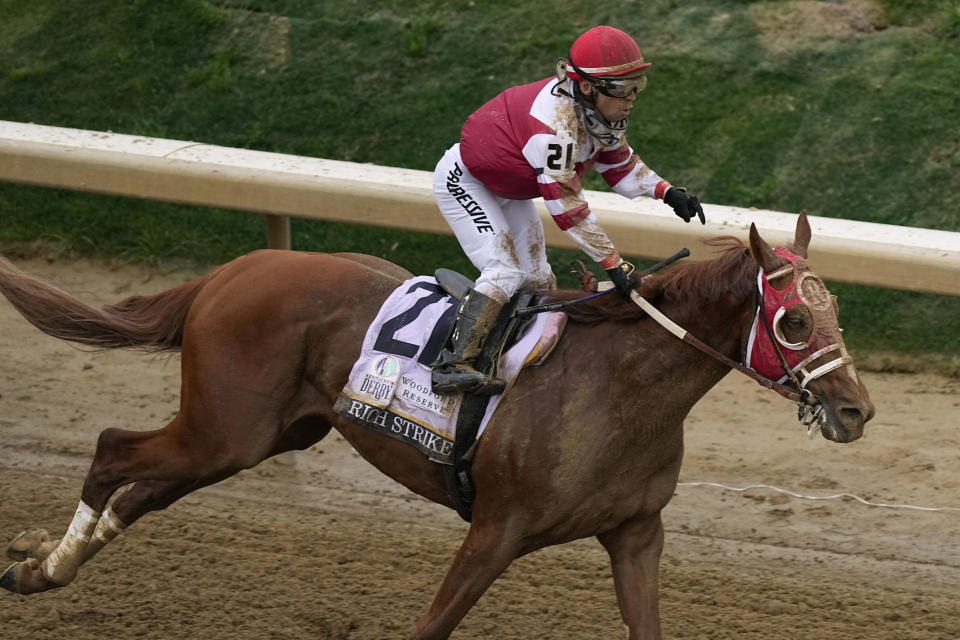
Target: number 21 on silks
x: 559, y: 156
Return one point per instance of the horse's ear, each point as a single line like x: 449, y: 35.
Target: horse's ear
x: 762, y: 252
x: 801, y: 238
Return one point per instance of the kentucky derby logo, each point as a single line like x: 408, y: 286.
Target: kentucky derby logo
x: 381, y: 379
x: 386, y: 367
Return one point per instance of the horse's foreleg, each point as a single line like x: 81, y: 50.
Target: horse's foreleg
x: 634, y: 549
x: 484, y: 555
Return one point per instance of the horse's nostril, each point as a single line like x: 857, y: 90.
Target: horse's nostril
x: 852, y: 415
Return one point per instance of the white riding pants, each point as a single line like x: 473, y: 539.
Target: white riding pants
x: 503, y: 238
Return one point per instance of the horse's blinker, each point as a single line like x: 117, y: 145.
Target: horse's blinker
x: 765, y: 356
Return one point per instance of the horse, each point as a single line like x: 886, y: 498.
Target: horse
x: 589, y: 444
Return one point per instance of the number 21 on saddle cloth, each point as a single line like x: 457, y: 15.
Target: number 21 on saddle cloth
x: 389, y: 387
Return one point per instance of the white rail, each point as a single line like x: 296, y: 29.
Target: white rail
x: 285, y: 185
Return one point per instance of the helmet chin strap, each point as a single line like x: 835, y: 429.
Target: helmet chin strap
x: 599, y: 128
x: 588, y: 100
x: 585, y: 105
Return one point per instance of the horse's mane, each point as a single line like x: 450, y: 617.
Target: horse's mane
x: 732, y: 274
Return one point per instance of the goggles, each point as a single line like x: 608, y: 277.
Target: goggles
x: 613, y: 87
x: 621, y: 87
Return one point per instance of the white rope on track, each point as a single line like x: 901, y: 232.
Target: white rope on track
x: 806, y: 497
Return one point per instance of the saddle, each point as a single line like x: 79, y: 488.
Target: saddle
x: 509, y: 327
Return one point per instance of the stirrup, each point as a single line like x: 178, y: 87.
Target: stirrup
x: 461, y: 378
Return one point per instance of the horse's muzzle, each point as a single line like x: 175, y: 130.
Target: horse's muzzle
x: 845, y: 424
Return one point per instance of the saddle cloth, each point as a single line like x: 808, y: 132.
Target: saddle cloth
x: 389, y: 388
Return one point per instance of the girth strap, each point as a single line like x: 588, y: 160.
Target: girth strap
x: 459, y: 476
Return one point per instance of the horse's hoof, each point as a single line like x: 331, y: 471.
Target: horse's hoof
x: 8, y: 580
x: 11, y: 577
x: 25, y: 578
x: 27, y: 544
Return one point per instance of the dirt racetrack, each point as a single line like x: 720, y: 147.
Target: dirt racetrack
x: 328, y: 548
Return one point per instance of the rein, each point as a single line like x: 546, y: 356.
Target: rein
x: 809, y: 410
x: 684, y: 335
x: 579, y: 270
x: 553, y: 306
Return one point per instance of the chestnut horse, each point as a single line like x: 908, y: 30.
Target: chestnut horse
x: 268, y: 341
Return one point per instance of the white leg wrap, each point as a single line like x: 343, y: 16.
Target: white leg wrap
x: 108, y: 527
x: 62, y: 563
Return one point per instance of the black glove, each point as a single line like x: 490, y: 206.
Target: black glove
x: 624, y: 278
x: 684, y: 205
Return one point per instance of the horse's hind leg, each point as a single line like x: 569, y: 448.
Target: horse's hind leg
x: 37, y: 544
x: 143, y: 496
x: 121, y: 457
x: 153, y: 495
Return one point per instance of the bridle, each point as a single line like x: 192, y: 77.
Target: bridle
x: 810, y: 412
x: 807, y: 289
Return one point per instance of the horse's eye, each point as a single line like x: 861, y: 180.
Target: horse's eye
x: 794, y: 327
x: 795, y: 322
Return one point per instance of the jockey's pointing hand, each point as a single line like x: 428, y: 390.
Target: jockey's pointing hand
x: 684, y: 205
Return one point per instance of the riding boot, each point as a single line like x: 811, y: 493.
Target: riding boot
x: 454, y: 371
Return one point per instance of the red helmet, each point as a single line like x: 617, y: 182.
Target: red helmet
x: 604, y: 52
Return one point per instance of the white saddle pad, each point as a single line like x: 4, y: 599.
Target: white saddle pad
x: 389, y: 387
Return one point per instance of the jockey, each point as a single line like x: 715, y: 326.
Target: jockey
x: 538, y: 140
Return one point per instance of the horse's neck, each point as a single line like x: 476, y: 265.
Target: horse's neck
x: 678, y: 370
x: 721, y: 323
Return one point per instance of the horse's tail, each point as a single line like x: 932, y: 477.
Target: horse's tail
x: 151, y: 323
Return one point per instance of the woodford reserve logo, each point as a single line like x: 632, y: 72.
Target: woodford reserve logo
x: 417, y: 392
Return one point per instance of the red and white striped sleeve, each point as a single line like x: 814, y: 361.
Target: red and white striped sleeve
x: 627, y: 174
